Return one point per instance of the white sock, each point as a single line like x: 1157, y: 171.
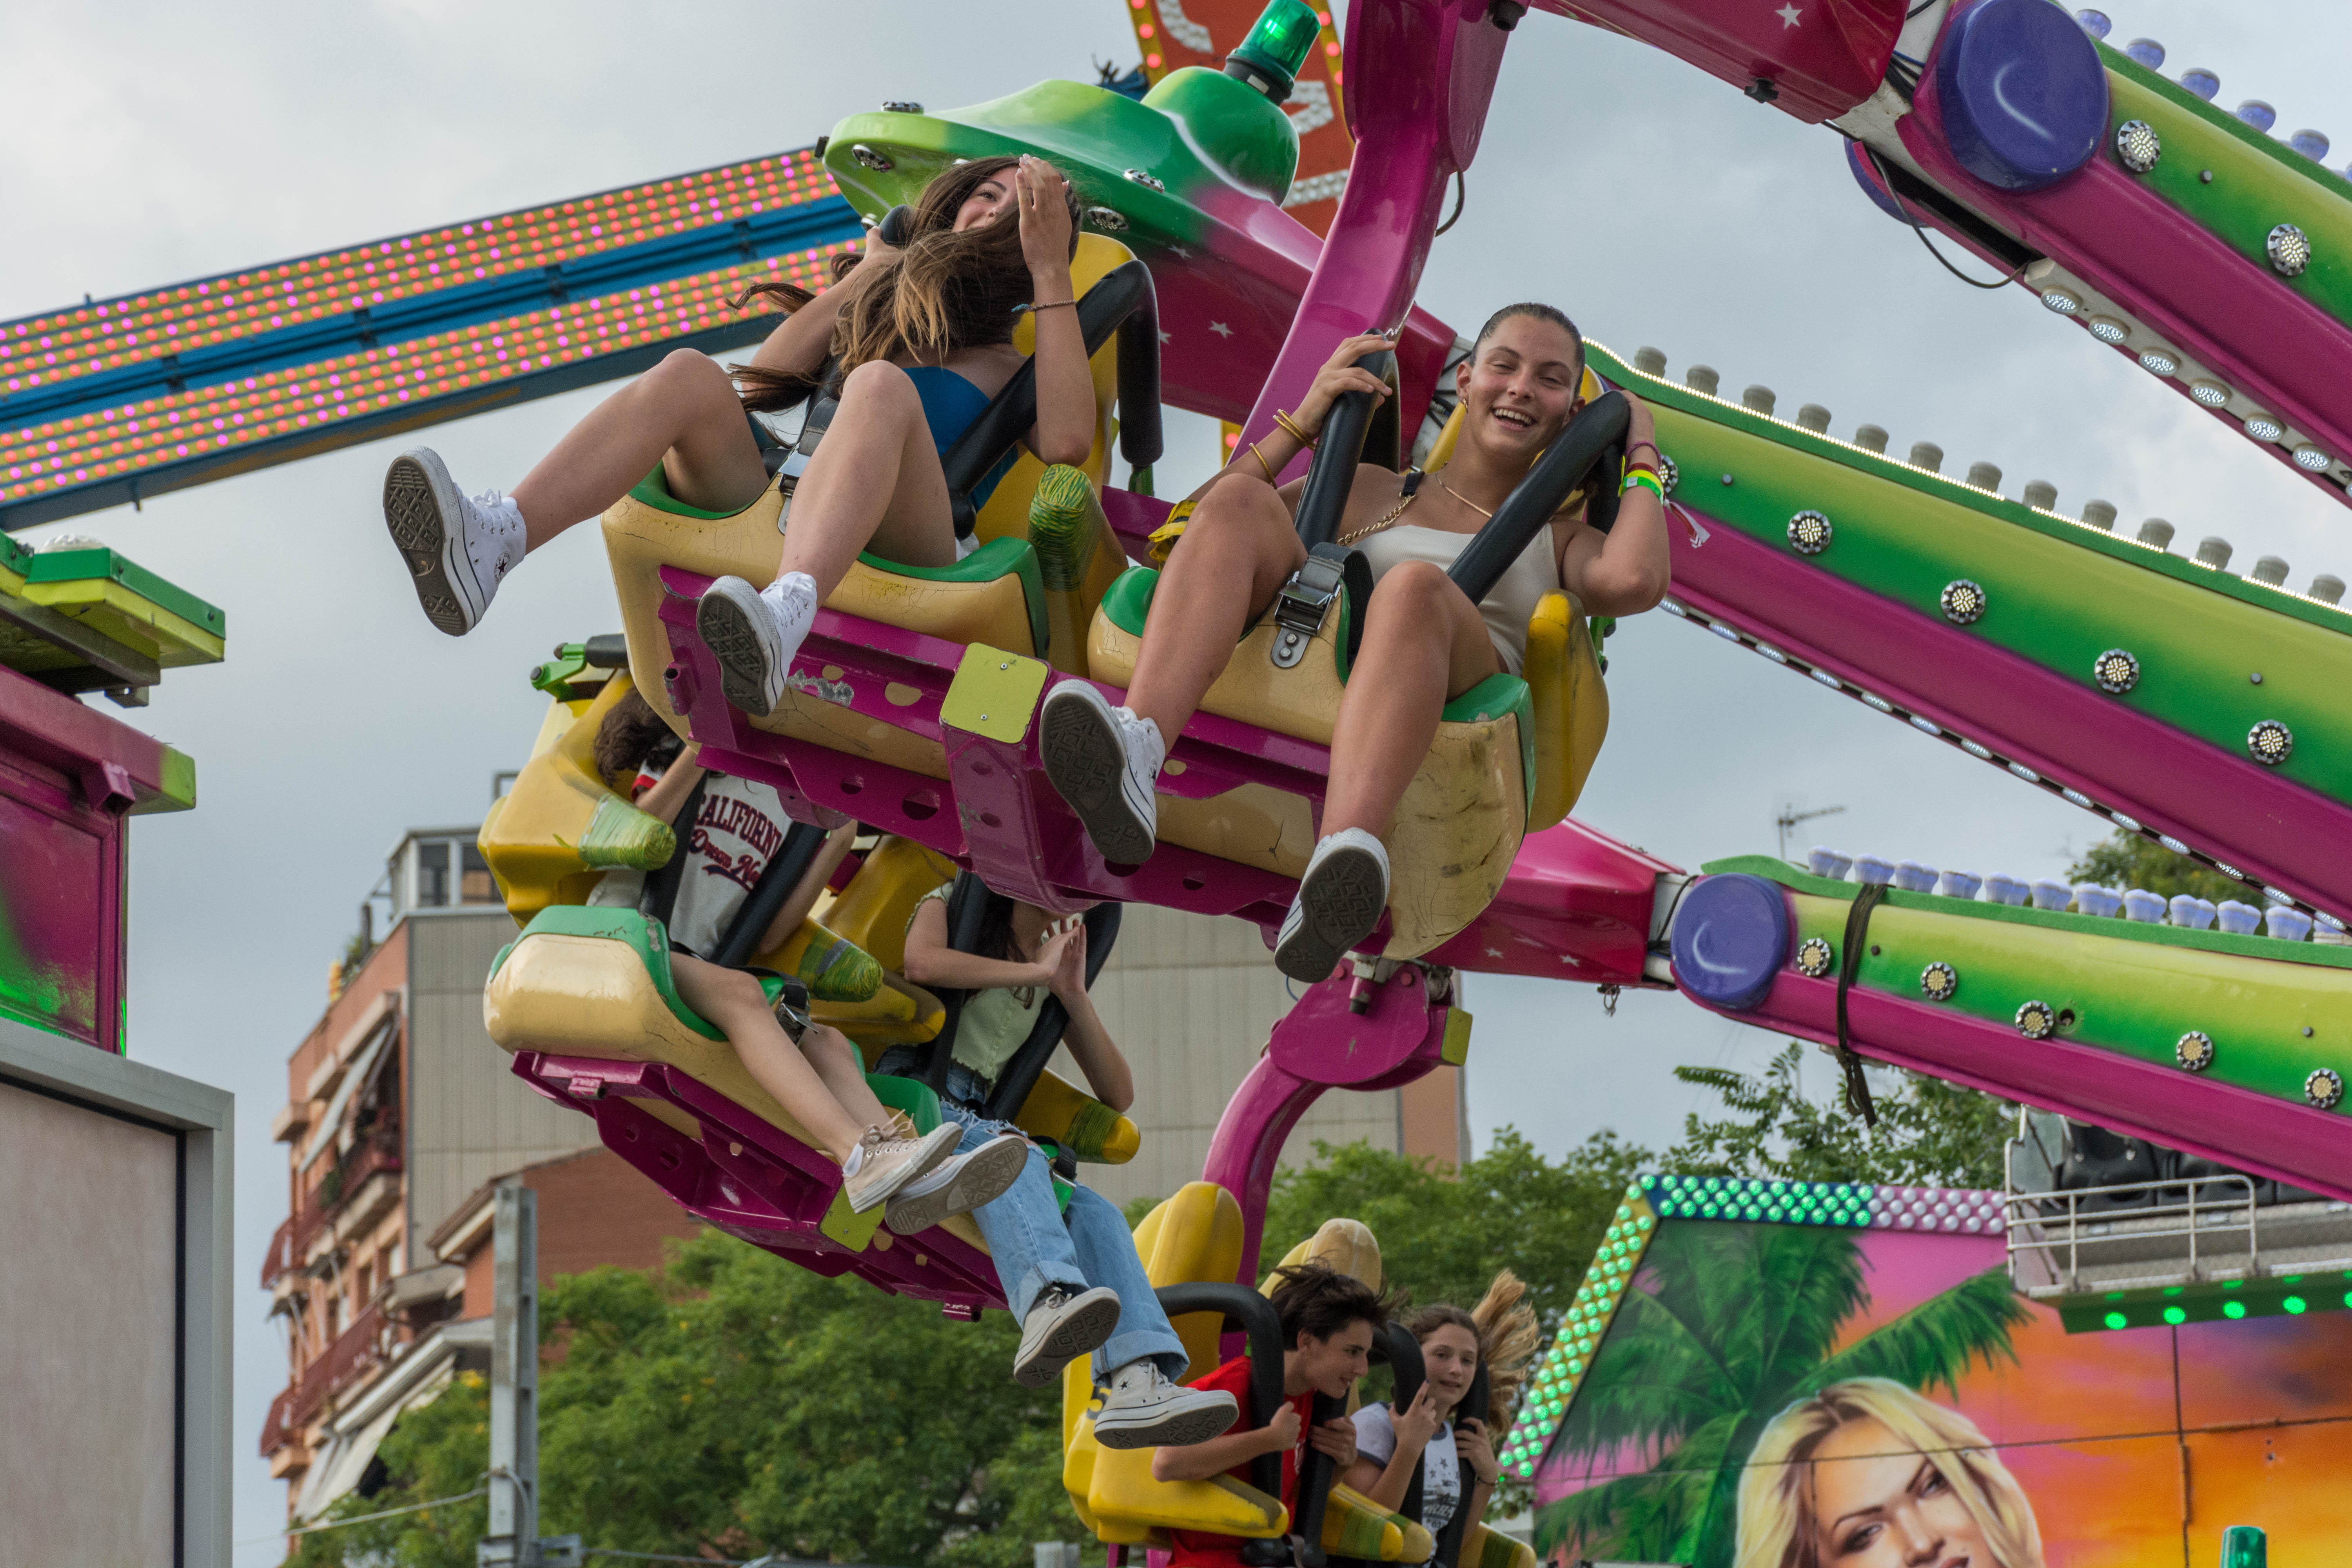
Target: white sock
x: 856, y: 1163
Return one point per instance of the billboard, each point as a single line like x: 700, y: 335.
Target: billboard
x: 1841, y: 1377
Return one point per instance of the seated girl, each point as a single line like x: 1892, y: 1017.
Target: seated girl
x: 1071, y: 1276
x: 1424, y: 642
x: 1433, y: 1431
x: 924, y: 340
x: 812, y: 1069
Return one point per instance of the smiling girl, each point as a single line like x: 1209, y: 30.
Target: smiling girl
x: 1424, y: 642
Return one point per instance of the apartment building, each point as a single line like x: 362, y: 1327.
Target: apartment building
x: 400, y: 1115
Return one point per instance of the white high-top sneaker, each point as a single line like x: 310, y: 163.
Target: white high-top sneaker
x: 1341, y: 899
x: 1104, y: 761
x: 888, y: 1158
x: 1141, y: 1410
x: 457, y: 548
x: 959, y: 1185
x: 754, y: 633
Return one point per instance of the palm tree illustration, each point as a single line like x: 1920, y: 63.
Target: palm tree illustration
x: 1727, y: 1325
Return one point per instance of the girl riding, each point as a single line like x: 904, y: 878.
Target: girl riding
x: 923, y: 338
x: 1070, y: 1275
x: 1423, y: 643
x: 1433, y: 1430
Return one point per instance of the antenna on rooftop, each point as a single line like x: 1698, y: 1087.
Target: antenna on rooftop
x: 1790, y: 816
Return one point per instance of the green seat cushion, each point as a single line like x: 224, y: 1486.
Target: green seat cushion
x: 643, y: 936
x: 997, y: 558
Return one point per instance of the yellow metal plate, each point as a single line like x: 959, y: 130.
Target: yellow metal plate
x: 852, y: 1230
x: 994, y: 693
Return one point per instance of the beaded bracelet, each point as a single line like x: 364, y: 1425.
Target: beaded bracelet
x: 1290, y: 427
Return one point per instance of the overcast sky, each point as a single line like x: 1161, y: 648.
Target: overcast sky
x: 141, y: 143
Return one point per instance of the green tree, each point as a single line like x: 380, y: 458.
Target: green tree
x: 1929, y: 1132
x: 736, y: 1403
x: 1729, y: 1325
x: 2127, y: 860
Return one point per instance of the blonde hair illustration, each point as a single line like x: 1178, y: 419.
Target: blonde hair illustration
x: 1777, y: 1528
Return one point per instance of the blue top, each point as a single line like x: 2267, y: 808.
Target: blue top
x: 950, y: 405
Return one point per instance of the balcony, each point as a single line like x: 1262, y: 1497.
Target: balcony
x: 376, y: 1151
x: 355, y: 1352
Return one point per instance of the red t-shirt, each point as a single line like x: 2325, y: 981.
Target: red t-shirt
x: 1201, y: 1549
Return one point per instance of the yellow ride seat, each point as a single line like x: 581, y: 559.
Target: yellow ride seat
x: 998, y: 595
x: 1195, y: 1236
x: 1510, y: 757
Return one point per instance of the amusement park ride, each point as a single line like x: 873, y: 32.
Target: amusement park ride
x: 2167, y: 696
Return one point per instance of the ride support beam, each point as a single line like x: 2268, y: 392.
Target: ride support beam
x: 1419, y: 75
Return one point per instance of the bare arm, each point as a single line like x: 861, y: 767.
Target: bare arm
x: 1628, y: 569
x: 1064, y: 431
x: 1279, y: 446
x: 1477, y: 1453
x: 805, y: 893
x: 1200, y: 1461
x: 1386, y: 1484
x: 1091, y: 1047
x: 932, y: 961
x: 670, y: 792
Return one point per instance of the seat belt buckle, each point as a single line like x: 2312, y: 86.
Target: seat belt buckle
x: 1300, y: 606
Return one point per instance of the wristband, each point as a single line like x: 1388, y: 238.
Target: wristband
x: 1646, y: 480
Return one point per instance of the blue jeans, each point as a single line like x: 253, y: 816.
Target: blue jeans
x: 1036, y: 1244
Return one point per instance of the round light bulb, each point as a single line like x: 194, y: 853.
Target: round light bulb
x: 2210, y: 393
x: 2109, y: 330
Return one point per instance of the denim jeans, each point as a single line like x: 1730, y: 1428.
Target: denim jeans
x: 1035, y: 1244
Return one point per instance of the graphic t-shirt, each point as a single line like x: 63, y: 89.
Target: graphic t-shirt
x: 1200, y: 1549
x: 736, y: 831
x: 1441, y: 1466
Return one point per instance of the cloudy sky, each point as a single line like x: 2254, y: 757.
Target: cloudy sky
x: 143, y: 142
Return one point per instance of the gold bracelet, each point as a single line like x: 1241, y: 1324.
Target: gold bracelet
x: 1262, y: 462
x: 1051, y: 305
x: 1290, y: 427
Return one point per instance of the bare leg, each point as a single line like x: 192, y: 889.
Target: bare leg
x: 1424, y: 642
x: 682, y: 414
x: 843, y: 1071
x: 875, y: 482
x: 733, y: 1000
x: 1238, y: 550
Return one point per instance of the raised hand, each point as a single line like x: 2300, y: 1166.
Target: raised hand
x: 1066, y: 956
x: 1420, y: 1421
x: 1282, y: 1432
x: 1339, y: 374
x: 1043, y: 197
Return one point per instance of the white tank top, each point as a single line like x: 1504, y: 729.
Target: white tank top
x: 1513, y: 601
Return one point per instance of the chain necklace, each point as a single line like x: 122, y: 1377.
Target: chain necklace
x: 1412, y: 489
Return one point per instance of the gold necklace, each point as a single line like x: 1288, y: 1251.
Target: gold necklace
x: 1466, y: 500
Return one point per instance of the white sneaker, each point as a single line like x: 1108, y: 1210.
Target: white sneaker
x: 1341, y: 899
x: 1060, y: 1328
x: 1104, y: 761
x: 754, y: 633
x: 959, y: 1185
x: 1141, y: 1410
x: 884, y: 1162
x: 457, y: 548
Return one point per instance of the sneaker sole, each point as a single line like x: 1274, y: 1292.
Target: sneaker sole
x: 742, y: 658
x: 1086, y: 761
x: 938, y: 1149
x: 1082, y: 1332
x: 984, y: 1178
x: 1178, y: 1428
x: 419, y: 504
x: 1339, y: 903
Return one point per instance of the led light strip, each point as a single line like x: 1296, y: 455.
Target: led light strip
x: 41, y: 351
x: 1984, y: 753
x: 1544, y: 1406
x: 43, y: 458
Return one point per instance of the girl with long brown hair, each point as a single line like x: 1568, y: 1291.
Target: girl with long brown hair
x: 923, y: 338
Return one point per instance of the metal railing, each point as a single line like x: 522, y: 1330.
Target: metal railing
x: 2202, y: 1209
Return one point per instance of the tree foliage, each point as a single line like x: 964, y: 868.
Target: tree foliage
x: 1929, y: 1132
x: 2127, y: 860
x: 734, y: 1404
